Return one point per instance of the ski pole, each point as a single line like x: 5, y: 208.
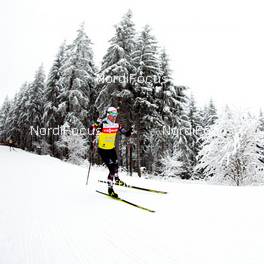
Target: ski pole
x: 91, y: 158
x: 89, y: 169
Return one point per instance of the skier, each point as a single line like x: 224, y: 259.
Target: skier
x: 11, y: 144
x: 108, y: 128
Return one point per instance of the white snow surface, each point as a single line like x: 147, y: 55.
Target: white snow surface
x: 49, y: 216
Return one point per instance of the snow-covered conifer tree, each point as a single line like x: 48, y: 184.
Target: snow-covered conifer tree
x: 17, y: 126
x: 209, y: 114
x: 4, y: 114
x: 166, y: 93
x: 114, y: 84
x: 169, y: 103
x: 23, y: 117
x: 35, y: 105
x: 261, y: 121
x: 194, y: 131
x: 13, y: 130
x: 260, y: 145
x: 171, y: 165
x: 152, y: 149
x: 51, y: 116
x: 78, y: 80
x: 145, y: 109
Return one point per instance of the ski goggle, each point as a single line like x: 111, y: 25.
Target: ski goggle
x: 112, y: 113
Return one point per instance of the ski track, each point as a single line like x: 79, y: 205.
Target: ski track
x: 49, y: 216
x: 42, y: 235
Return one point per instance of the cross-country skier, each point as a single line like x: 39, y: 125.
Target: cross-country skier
x: 108, y: 128
x: 11, y: 144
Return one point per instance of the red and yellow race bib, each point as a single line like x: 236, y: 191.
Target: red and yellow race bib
x: 107, y: 136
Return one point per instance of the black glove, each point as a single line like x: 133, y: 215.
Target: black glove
x: 129, y: 132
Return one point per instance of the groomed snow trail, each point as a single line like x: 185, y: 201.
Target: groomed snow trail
x: 49, y: 216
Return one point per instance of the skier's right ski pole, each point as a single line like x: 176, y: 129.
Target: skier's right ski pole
x: 89, y: 169
x: 91, y: 159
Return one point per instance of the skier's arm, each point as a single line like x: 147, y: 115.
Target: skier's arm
x: 97, y: 125
x: 96, y: 129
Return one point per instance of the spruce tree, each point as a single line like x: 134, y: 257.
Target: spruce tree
x: 23, y: 116
x: 4, y: 114
x: 78, y: 82
x: 12, y: 122
x: 51, y: 116
x: 165, y: 92
x: 116, y: 74
x: 114, y: 78
x: 261, y: 121
x: 144, y: 108
x: 209, y: 114
x: 194, y: 130
x: 182, y: 124
x: 114, y: 85
x: 260, y: 145
x: 36, y: 106
x: 170, y: 100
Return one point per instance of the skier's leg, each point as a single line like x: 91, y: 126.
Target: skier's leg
x: 113, y: 157
x: 110, y: 180
x: 113, y: 169
x: 106, y: 157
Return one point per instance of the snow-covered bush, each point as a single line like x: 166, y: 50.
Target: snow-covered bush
x: 74, y: 145
x: 229, y: 152
x: 171, y: 165
x: 153, y: 149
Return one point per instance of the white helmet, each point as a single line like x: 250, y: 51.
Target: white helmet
x: 112, y: 111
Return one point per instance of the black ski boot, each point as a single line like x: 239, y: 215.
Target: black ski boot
x: 119, y: 182
x: 111, y: 192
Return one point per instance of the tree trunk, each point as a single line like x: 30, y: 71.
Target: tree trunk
x: 131, y: 159
x: 127, y: 157
x: 138, y: 153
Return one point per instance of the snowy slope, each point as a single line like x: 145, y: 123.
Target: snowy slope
x: 49, y: 216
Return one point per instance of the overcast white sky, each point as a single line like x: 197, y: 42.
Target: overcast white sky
x: 216, y: 47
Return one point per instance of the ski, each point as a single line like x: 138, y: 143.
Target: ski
x: 127, y: 202
x: 136, y: 187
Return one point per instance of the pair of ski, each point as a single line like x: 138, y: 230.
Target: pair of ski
x: 132, y: 187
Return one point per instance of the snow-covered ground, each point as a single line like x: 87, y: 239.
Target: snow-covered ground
x: 49, y: 216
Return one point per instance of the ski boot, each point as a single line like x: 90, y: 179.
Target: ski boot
x: 119, y: 182
x: 112, y: 193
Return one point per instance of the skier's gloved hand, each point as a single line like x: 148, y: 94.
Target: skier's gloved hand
x: 94, y: 144
x: 129, y: 132
x: 99, y: 120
